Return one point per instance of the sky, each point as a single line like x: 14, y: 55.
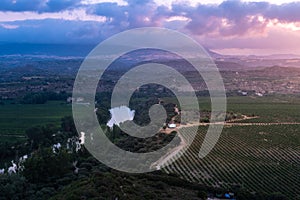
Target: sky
x: 225, y: 26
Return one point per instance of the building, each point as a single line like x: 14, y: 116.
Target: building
x: 172, y: 125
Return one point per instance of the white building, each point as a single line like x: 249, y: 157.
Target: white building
x: 172, y: 125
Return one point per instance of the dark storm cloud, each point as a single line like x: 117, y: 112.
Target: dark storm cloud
x: 37, y: 5
x: 53, y: 31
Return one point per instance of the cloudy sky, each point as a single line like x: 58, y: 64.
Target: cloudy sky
x: 229, y: 26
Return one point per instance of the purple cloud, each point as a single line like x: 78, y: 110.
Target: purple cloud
x: 135, y: 14
x: 236, y: 18
x: 289, y: 12
x: 230, y: 18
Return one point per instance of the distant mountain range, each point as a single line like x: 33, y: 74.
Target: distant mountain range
x: 46, y: 50
x: 82, y: 50
x: 272, y: 56
x: 14, y: 54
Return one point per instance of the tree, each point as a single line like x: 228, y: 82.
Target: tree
x: 41, y: 135
x: 12, y: 186
x: 202, y: 195
x: 34, y: 98
x: 68, y: 125
x: 44, y: 166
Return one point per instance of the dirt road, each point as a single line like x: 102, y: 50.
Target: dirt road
x: 164, y: 159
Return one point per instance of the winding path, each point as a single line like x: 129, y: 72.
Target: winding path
x: 164, y: 159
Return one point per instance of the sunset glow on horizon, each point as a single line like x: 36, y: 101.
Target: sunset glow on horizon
x: 230, y: 26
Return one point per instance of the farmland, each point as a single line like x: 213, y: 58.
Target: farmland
x: 263, y: 159
x: 257, y: 158
x: 16, y: 118
x: 268, y: 109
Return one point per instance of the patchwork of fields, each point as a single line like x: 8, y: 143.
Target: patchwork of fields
x: 258, y: 158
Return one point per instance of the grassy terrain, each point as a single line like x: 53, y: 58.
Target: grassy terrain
x: 16, y: 118
x: 269, y: 109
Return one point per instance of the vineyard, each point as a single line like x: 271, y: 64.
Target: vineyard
x: 262, y: 159
x: 259, y: 154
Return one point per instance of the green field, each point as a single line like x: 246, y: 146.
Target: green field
x: 16, y: 118
x: 269, y: 109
